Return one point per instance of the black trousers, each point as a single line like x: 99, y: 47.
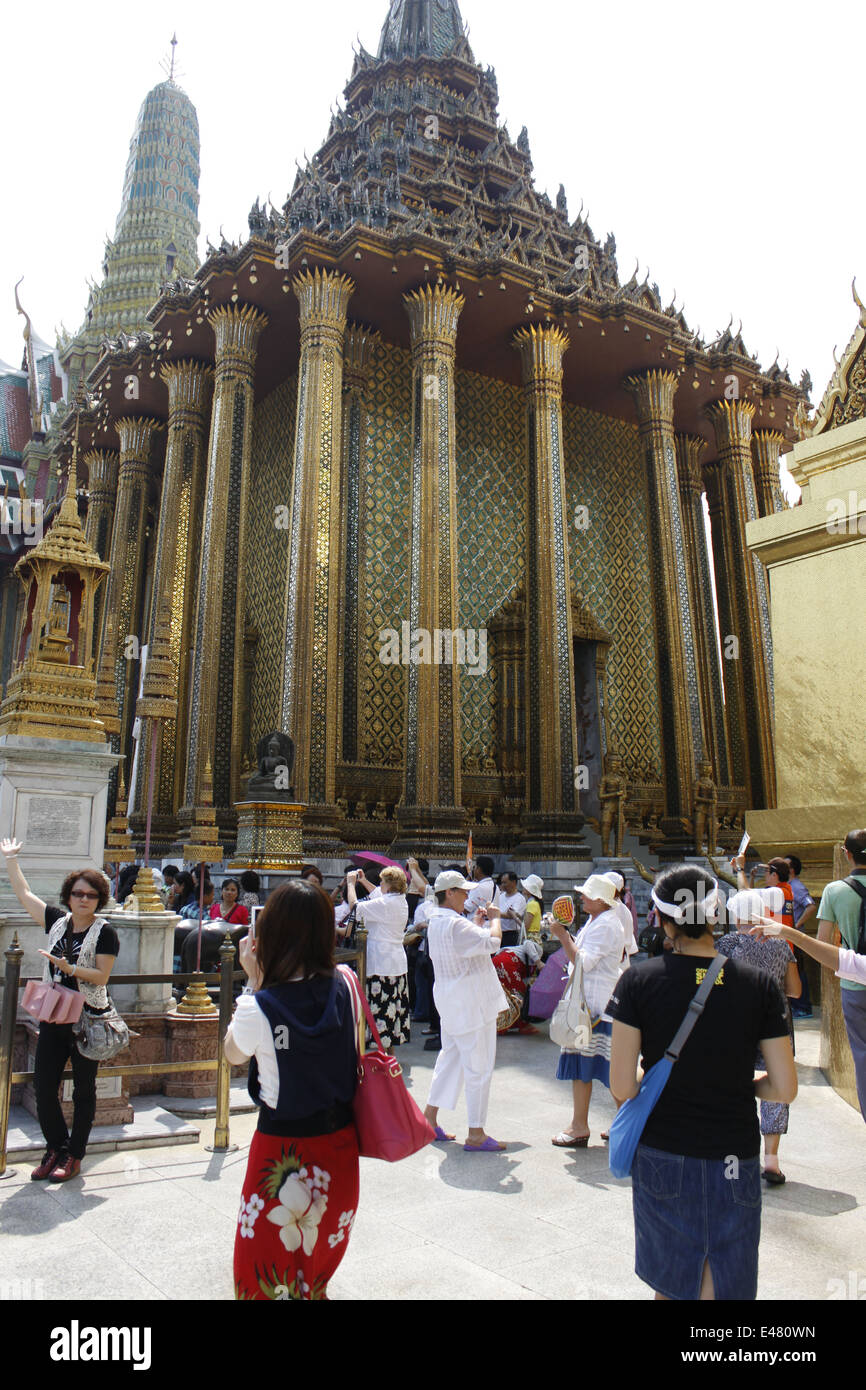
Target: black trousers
x: 424, y: 970
x: 54, y: 1048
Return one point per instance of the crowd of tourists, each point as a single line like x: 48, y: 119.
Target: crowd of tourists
x: 458, y: 950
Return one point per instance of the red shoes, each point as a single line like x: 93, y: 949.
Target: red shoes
x: 70, y: 1168
x: 50, y: 1160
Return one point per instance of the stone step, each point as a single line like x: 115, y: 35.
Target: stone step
x: 152, y: 1127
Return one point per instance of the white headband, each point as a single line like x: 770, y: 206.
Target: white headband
x: 677, y: 911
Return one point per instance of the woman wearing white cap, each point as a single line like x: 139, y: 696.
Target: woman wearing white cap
x: 776, y: 959
x: 600, y: 946
x: 629, y: 945
x: 469, y: 998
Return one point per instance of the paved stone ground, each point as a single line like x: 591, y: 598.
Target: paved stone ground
x: 533, y: 1223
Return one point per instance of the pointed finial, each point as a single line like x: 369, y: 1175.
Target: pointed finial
x: 858, y: 301
x: 173, y: 47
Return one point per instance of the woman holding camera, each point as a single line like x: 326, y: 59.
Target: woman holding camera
x: 82, y: 949
x: 297, y: 1027
x: 385, y: 914
x: 696, y: 1177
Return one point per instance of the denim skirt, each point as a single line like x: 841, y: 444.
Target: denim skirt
x: 689, y: 1210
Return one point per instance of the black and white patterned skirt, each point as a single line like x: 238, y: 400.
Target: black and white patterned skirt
x: 389, y: 1005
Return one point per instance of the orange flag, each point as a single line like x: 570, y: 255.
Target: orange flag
x: 469, y: 854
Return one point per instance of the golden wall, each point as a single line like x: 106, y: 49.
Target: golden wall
x: 610, y: 569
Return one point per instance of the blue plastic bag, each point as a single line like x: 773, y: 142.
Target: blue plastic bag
x: 630, y: 1119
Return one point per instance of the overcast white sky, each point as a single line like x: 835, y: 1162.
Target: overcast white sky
x: 720, y: 143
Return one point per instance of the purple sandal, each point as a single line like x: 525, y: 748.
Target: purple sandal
x: 489, y: 1146
x: 440, y: 1134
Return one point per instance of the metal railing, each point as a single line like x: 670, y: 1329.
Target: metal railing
x: 224, y: 978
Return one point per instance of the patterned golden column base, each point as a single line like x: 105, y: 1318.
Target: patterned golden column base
x: 270, y: 835
x: 551, y: 835
x: 196, y: 1000
x: 430, y: 830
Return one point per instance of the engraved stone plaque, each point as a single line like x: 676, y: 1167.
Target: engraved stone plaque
x: 107, y: 1088
x: 56, y: 822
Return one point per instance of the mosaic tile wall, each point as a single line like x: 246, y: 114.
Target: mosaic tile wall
x: 491, y: 508
x: 610, y: 570
x: 267, y: 549
x: 609, y: 562
x: 384, y: 551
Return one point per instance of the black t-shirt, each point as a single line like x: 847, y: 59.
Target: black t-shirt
x: 707, y: 1109
x: 69, y: 946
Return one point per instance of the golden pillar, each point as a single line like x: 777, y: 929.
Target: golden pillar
x: 689, y: 449
x: 680, y: 706
x: 552, y: 817
x: 430, y: 815
x: 750, y: 662
x: 218, y: 641
x: 312, y: 642
x: 766, y: 448
x: 174, y: 576
x: 122, y: 638
x: 101, y: 499
x: 101, y: 504
x: 356, y: 371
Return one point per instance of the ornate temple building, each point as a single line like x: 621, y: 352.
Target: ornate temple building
x: 419, y: 399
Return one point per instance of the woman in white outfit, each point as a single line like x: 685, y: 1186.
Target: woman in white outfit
x: 469, y: 998
x: 600, y: 946
x: 385, y: 914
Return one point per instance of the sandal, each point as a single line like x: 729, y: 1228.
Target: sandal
x: 773, y: 1177
x: 440, y: 1134
x: 489, y: 1146
x: 568, y: 1141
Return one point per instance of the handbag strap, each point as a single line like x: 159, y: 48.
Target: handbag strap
x: 696, y: 1008
x: 361, y: 997
x: 860, y: 890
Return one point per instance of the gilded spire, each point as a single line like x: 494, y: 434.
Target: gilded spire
x: 30, y: 357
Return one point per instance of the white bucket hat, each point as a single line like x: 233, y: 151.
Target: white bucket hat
x: 533, y: 884
x: 616, y: 879
x: 597, y: 886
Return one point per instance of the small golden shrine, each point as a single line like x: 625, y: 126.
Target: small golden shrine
x: 51, y: 692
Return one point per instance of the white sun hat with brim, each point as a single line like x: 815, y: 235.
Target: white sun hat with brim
x: 597, y: 886
x: 616, y: 879
x: 450, y: 878
x: 533, y: 885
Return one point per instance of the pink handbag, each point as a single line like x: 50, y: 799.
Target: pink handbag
x: 49, y: 1003
x: 389, y: 1123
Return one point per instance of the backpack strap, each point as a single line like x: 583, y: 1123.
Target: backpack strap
x: 853, y: 881
x: 696, y: 1007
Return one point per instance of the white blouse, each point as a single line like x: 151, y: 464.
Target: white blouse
x: 600, y: 943
x: 385, y: 915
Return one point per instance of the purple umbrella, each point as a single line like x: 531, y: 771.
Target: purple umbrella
x: 549, y: 987
x: 378, y: 861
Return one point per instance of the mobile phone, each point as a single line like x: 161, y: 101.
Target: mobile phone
x: 254, y: 911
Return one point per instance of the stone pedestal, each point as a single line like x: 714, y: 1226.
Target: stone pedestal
x: 53, y: 798
x: 551, y: 835
x: 270, y: 835
x: 146, y: 948
x: 191, y: 1038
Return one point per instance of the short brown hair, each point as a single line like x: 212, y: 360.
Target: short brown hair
x: 393, y: 879
x: 91, y: 876
x: 780, y: 867
x: 295, y: 931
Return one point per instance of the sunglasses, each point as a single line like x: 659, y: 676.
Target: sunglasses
x: 76, y: 893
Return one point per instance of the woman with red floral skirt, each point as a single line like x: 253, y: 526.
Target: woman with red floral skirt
x: 297, y: 1026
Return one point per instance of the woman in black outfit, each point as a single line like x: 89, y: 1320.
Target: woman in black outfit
x: 696, y: 1177
x: 83, y: 894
